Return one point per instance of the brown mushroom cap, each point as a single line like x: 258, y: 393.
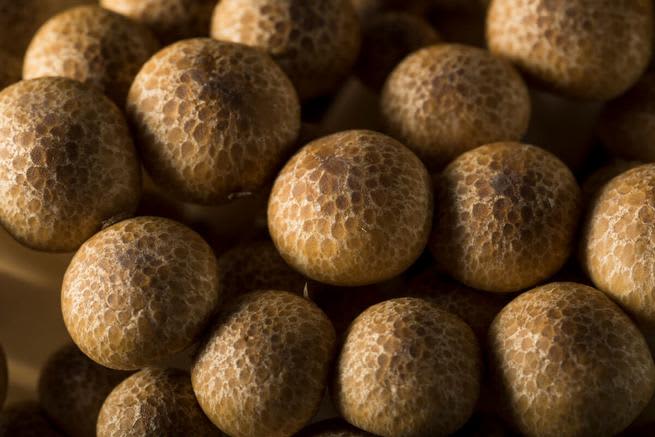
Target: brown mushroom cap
x: 4, y: 379
x: 170, y: 20
x: 335, y: 427
x: 254, y: 266
x: 139, y: 291
x: 315, y: 42
x: 214, y: 119
x: 353, y: 208
x: 19, y: 20
x: 408, y: 368
x: 92, y: 45
x: 263, y: 369
x: 72, y: 389
x: 26, y: 419
x: 67, y: 163
x: 446, y: 99
x: 627, y: 124
x: 593, y: 184
x: 618, y: 245
x: 506, y: 216
x: 154, y: 402
x: 11, y: 69
x: 581, y: 48
x: 569, y: 362
x: 386, y: 40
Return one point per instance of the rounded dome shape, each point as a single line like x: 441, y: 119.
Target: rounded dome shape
x: 214, y: 120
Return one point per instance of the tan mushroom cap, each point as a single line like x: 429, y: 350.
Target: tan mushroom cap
x: 407, y: 368
x: 26, y: 419
x: 67, y: 163
x: 11, y: 69
x: 387, y: 39
x: 627, y: 124
x: 618, y: 245
x: 590, y: 49
x: 139, y: 291
x: 263, y: 368
x: 506, y: 215
x: 446, y: 99
x: 4, y: 377
x: 254, y: 266
x: 92, y: 45
x: 214, y: 120
x: 569, y: 362
x: 20, y: 19
x: 593, y: 184
x: 72, y: 389
x: 352, y: 208
x: 170, y: 20
x: 315, y: 42
x: 154, y: 402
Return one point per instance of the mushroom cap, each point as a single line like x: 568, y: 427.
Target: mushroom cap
x: 154, y: 402
x: 92, y: 45
x: 593, y: 184
x: 506, y: 217
x: 68, y: 164
x: 386, y: 39
x: 170, y: 20
x: 139, y: 291
x: 618, y: 242
x: 589, y: 49
x: 263, y: 369
x: 627, y: 124
x: 26, y: 419
x: 408, y: 368
x: 352, y: 208
x: 72, y: 389
x: 569, y: 362
x: 315, y: 42
x: 213, y: 119
x: 446, y: 99
x: 256, y: 265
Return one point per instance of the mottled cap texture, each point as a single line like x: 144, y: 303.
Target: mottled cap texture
x: 627, y: 125
x: 20, y: 19
x: 4, y: 377
x: 352, y: 208
x: 170, y: 20
x: 263, y: 369
x: 506, y: 217
x: 588, y: 49
x: 407, y: 368
x: 26, y: 419
x: 67, y: 163
x: 254, y: 266
x: 315, y: 42
x: 335, y: 427
x: 92, y: 45
x: 139, y: 291
x: 11, y: 69
x: 569, y: 362
x: 72, y: 389
x: 154, y: 402
x: 214, y: 120
x: 446, y: 99
x: 386, y: 39
x: 618, y: 244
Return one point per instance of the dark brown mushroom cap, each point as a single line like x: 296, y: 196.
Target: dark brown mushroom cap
x: 407, y: 368
x: 315, y: 42
x: 92, y: 45
x: 170, y: 20
x: 72, y: 389
x: 154, y: 402
x: 67, y: 163
x: 214, y: 120
x: 353, y: 208
x: 139, y: 291
x: 263, y: 369
x: 569, y: 362
x: 590, y: 49
x: 26, y: 419
x: 506, y: 216
x: 446, y: 99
